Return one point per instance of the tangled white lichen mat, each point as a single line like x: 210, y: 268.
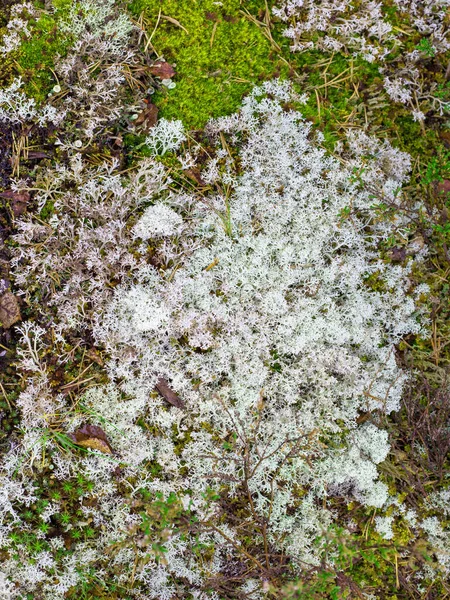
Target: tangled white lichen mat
x: 254, y: 302
x: 268, y: 329
x: 206, y: 398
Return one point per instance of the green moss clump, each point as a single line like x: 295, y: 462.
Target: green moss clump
x: 37, y: 54
x: 36, y: 57
x: 219, y: 55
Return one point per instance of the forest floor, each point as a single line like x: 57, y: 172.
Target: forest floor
x: 218, y: 51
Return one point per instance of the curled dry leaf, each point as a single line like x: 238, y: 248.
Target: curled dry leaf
x: 162, y: 69
x: 19, y: 201
x: 163, y: 388
x: 95, y: 356
x: 195, y: 175
x: 230, y: 18
x: 9, y: 310
x: 91, y: 436
x: 415, y: 246
x: 37, y: 154
x: 398, y: 254
x: 11, y: 195
x: 148, y: 117
x: 442, y: 188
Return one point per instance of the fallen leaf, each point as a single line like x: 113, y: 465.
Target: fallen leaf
x: 363, y: 417
x: 195, y: 175
x: 18, y: 208
x: 118, y: 141
x: 398, y: 254
x: 91, y: 436
x: 445, y: 136
x: 442, y: 187
x: 415, y: 245
x: 95, y: 356
x: 9, y: 310
x: 148, y: 117
x: 162, y: 386
x: 20, y: 196
x: 162, y: 69
x: 36, y: 154
x: 19, y: 201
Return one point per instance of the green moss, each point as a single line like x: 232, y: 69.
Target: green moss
x: 36, y: 57
x: 375, y: 283
x: 219, y: 55
x: 6, y: 70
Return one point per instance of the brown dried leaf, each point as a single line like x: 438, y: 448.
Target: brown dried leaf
x: 415, y: 246
x: 442, y: 187
x: 95, y: 356
x: 398, y: 254
x: 445, y: 136
x: 37, y: 154
x: 19, y: 196
x: 91, y: 436
x: 19, y: 201
x: 18, y: 208
x: 162, y: 69
x: 9, y: 310
x: 162, y: 386
x: 148, y: 117
x: 118, y: 141
x: 195, y: 175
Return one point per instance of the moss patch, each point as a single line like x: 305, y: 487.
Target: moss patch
x: 36, y: 57
x: 219, y: 55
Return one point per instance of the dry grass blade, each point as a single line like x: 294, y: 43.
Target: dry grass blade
x: 174, y: 22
